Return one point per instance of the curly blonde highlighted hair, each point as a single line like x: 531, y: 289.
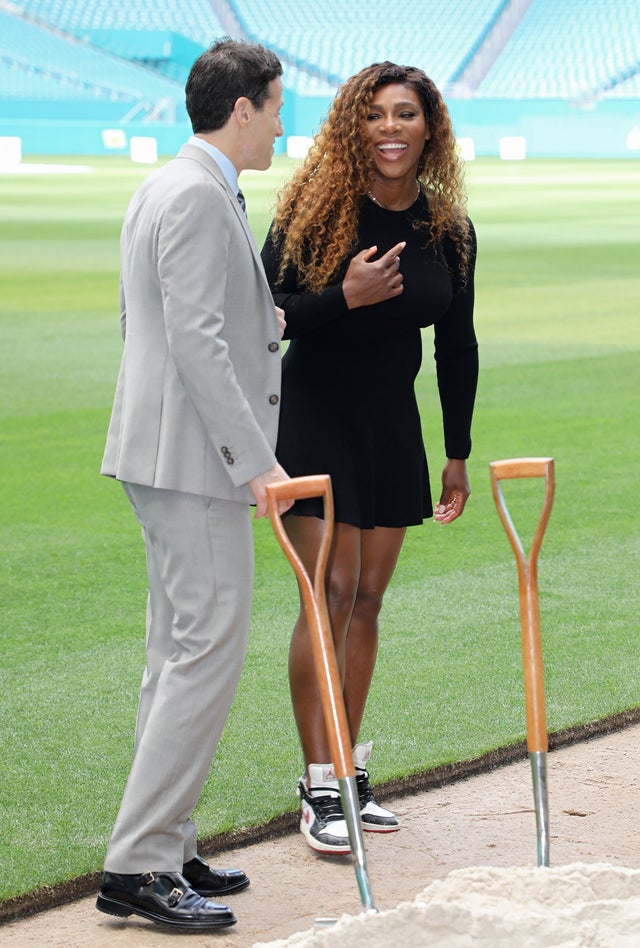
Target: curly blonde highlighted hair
x: 317, y: 215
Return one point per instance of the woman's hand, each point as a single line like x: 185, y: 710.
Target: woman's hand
x: 372, y: 281
x: 455, y: 490
x: 282, y: 322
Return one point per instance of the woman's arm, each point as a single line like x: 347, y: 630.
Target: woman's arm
x: 365, y: 283
x: 456, y: 355
x: 304, y: 311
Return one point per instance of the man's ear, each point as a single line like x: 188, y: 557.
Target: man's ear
x: 243, y: 110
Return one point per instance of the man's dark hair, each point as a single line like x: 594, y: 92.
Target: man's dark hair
x: 226, y: 71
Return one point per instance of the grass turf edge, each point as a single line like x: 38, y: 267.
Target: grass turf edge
x: 49, y: 897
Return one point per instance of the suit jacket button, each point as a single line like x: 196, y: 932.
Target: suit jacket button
x: 273, y: 399
x: 230, y: 459
x: 273, y: 347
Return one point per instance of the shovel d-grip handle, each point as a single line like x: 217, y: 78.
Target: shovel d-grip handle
x: 315, y: 606
x: 528, y: 584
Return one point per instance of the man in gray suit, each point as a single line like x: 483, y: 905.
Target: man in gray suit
x: 191, y: 438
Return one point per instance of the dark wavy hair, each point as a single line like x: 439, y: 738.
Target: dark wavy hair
x: 226, y: 71
x: 317, y: 212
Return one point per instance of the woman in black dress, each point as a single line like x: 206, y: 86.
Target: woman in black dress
x: 370, y: 243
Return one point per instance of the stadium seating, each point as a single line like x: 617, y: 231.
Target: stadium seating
x: 562, y: 76
x: 194, y: 19
x: 626, y: 88
x: 568, y: 50
x: 562, y: 50
x: 37, y: 63
x: 338, y: 39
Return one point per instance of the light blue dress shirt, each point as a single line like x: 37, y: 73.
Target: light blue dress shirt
x: 225, y: 164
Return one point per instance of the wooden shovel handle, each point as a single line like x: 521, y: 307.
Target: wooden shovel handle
x: 521, y: 467
x: 299, y: 488
x: 315, y: 606
x: 516, y: 468
x: 537, y: 739
x: 312, y: 485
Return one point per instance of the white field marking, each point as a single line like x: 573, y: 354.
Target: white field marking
x: 27, y: 168
x: 594, y: 177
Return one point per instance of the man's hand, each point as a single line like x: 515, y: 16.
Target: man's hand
x: 282, y: 322
x: 372, y: 281
x: 258, y: 485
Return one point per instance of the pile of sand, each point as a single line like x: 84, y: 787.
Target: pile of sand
x: 566, y: 907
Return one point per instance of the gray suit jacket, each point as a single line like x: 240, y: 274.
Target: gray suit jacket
x: 196, y: 404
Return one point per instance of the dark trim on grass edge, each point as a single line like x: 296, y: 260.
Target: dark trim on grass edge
x: 54, y: 896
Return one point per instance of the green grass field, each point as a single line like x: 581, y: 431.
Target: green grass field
x: 558, y: 288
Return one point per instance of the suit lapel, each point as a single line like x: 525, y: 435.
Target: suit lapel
x: 207, y: 162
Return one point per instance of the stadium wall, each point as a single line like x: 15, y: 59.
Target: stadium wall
x: 549, y: 128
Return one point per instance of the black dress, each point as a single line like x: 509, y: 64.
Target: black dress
x: 348, y: 405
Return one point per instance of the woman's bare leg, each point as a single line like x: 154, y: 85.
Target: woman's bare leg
x: 343, y: 574
x: 379, y: 553
x: 359, y: 568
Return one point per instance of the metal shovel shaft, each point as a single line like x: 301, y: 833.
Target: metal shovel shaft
x: 351, y: 809
x: 315, y: 606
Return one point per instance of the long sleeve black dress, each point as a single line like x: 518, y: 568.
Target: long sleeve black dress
x: 348, y: 405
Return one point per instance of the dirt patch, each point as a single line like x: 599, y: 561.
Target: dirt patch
x: 485, y: 820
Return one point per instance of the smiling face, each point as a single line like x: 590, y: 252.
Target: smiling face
x: 397, y: 130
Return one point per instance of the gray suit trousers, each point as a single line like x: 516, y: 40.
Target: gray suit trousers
x: 200, y: 569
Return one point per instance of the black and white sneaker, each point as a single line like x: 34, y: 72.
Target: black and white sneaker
x: 322, y: 821
x: 374, y: 818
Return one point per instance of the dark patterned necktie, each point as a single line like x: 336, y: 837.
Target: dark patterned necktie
x: 241, y: 201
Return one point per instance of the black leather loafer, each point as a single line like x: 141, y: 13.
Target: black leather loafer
x: 213, y: 882
x: 163, y: 897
